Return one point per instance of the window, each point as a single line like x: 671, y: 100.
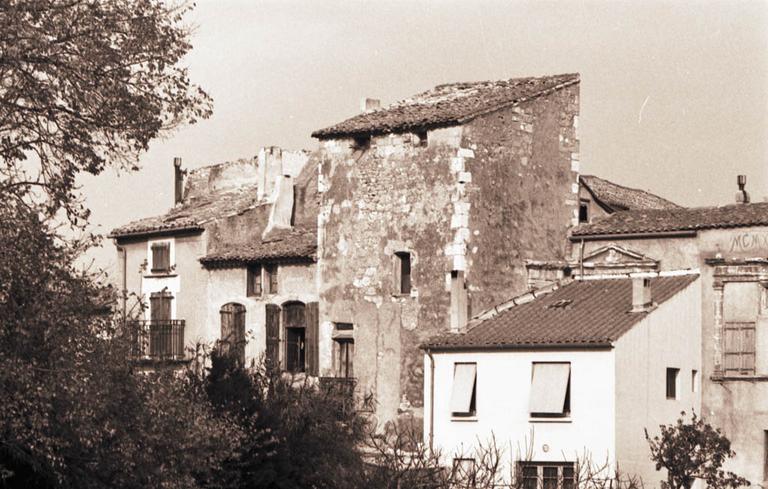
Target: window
x: 160, y: 306
x: 463, y: 397
x: 343, y: 350
x: 741, y: 304
x: 464, y: 472
x: 253, y: 286
x: 672, y: 375
x: 694, y: 381
x: 161, y: 332
x: 270, y: 278
x: 294, y: 321
x: 765, y: 455
x: 422, y: 138
x: 232, y: 341
x: 584, y: 211
x: 547, y: 475
x: 550, y: 390
x: 161, y: 257
x: 403, y: 259
x: 361, y: 142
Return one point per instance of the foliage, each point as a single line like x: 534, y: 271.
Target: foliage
x: 693, y: 450
x: 85, y: 84
x: 297, y: 433
x: 74, y: 412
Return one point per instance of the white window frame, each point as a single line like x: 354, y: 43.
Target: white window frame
x: 469, y: 413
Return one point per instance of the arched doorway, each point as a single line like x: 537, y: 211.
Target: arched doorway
x: 232, y: 339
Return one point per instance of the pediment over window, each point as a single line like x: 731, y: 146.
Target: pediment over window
x: 613, y: 259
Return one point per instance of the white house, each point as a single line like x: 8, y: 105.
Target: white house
x: 567, y: 377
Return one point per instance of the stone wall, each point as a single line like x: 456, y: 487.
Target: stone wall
x: 478, y: 198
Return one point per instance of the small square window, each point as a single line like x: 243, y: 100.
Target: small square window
x: 161, y: 257
x: 672, y: 376
x: 254, y: 288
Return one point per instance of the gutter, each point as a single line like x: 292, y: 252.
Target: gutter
x: 598, y: 345
x: 650, y: 235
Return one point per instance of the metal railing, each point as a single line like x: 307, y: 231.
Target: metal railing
x: 158, y: 339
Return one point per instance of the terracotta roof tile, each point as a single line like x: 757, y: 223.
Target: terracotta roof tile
x: 620, y: 198
x: 192, y: 214
x: 446, y: 105
x: 680, y: 219
x: 591, y: 313
x: 292, y: 244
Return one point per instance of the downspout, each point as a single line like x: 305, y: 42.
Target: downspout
x: 581, y: 259
x: 431, y: 401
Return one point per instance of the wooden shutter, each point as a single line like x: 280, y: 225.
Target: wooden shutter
x: 160, y: 306
x: 161, y: 257
x: 273, y: 335
x: 272, y: 272
x: 313, y: 340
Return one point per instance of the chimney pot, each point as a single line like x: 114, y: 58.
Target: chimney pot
x: 178, y: 181
x: 369, y: 104
x: 742, y: 196
x: 642, y: 300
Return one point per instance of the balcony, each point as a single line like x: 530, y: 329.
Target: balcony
x: 158, y: 340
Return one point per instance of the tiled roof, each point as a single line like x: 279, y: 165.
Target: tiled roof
x: 295, y: 244
x: 620, y: 198
x: 593, y: 313
x: 449, y: 104
x: 681, y: 219
x: 193, y: 214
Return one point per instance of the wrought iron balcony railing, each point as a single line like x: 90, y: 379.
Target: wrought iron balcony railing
x: 158, y: 339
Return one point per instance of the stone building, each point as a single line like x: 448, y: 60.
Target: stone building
x: 233, y: 261
x: 429, y: 209
x: 729, y: 246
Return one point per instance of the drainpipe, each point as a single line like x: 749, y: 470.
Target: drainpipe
x: 581, y: 260
x: 431, y: 401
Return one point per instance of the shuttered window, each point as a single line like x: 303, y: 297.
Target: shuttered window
x: 253, y: 278
x: 270, y: 278
x: 233, y: 330
x: 550, y: 390
x: 161, y: 257
x: 273, y: 336
x: 160, y: 306
x: 740, y: 309
x: 313, y: 338
x: 463, y: 396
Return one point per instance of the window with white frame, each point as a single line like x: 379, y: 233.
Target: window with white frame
x: 550, y: 390
x: 546, y: 475
x: 464, y: 393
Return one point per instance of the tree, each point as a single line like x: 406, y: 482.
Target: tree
x: 693, y: 450
x: 74, y: 413
x: 85, y: 84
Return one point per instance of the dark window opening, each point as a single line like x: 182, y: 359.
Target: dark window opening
x: 422, y: 135
x: 404, y: 271
x: 362, y: 142
x: 583, y: 211
x: 547, y: 475
x: 161, y: 257
x: 254, y: 281
x: 270, y: 278
x: 765, y: 455
x: 295, y: 356
x: 672, y: 382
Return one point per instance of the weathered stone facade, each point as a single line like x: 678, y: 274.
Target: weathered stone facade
x: 473, y: 201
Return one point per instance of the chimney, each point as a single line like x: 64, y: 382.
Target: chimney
x: 642, y: 300
x: 742, y: 197
x: 369, y: 104
x: 281, y: 213
x: 178, y: 181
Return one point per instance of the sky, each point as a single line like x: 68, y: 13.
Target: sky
x: 674, y: 95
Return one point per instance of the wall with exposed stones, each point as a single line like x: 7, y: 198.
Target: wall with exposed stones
x: 477, y: 198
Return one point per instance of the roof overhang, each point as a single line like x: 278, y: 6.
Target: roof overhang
x: 436, y: 348
x: 648, y: 235
x: 141, y: 235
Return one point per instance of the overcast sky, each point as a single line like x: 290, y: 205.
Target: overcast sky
x: 674, y: 96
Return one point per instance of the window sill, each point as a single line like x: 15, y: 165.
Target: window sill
x: 464, y: 419
x: 550, y: 420
x: 161, y: 275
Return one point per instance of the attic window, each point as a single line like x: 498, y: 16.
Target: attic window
x: 422, y: 138
x: 362, y: 142
x: 561, y: 304
x: 584, y: 211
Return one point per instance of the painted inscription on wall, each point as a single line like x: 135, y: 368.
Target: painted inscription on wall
x: 749, y: 242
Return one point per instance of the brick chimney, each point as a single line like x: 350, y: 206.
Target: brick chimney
x: 742, y: 197
x: 642, y: 300
x: 369, y: 104
x: 178, y: 181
